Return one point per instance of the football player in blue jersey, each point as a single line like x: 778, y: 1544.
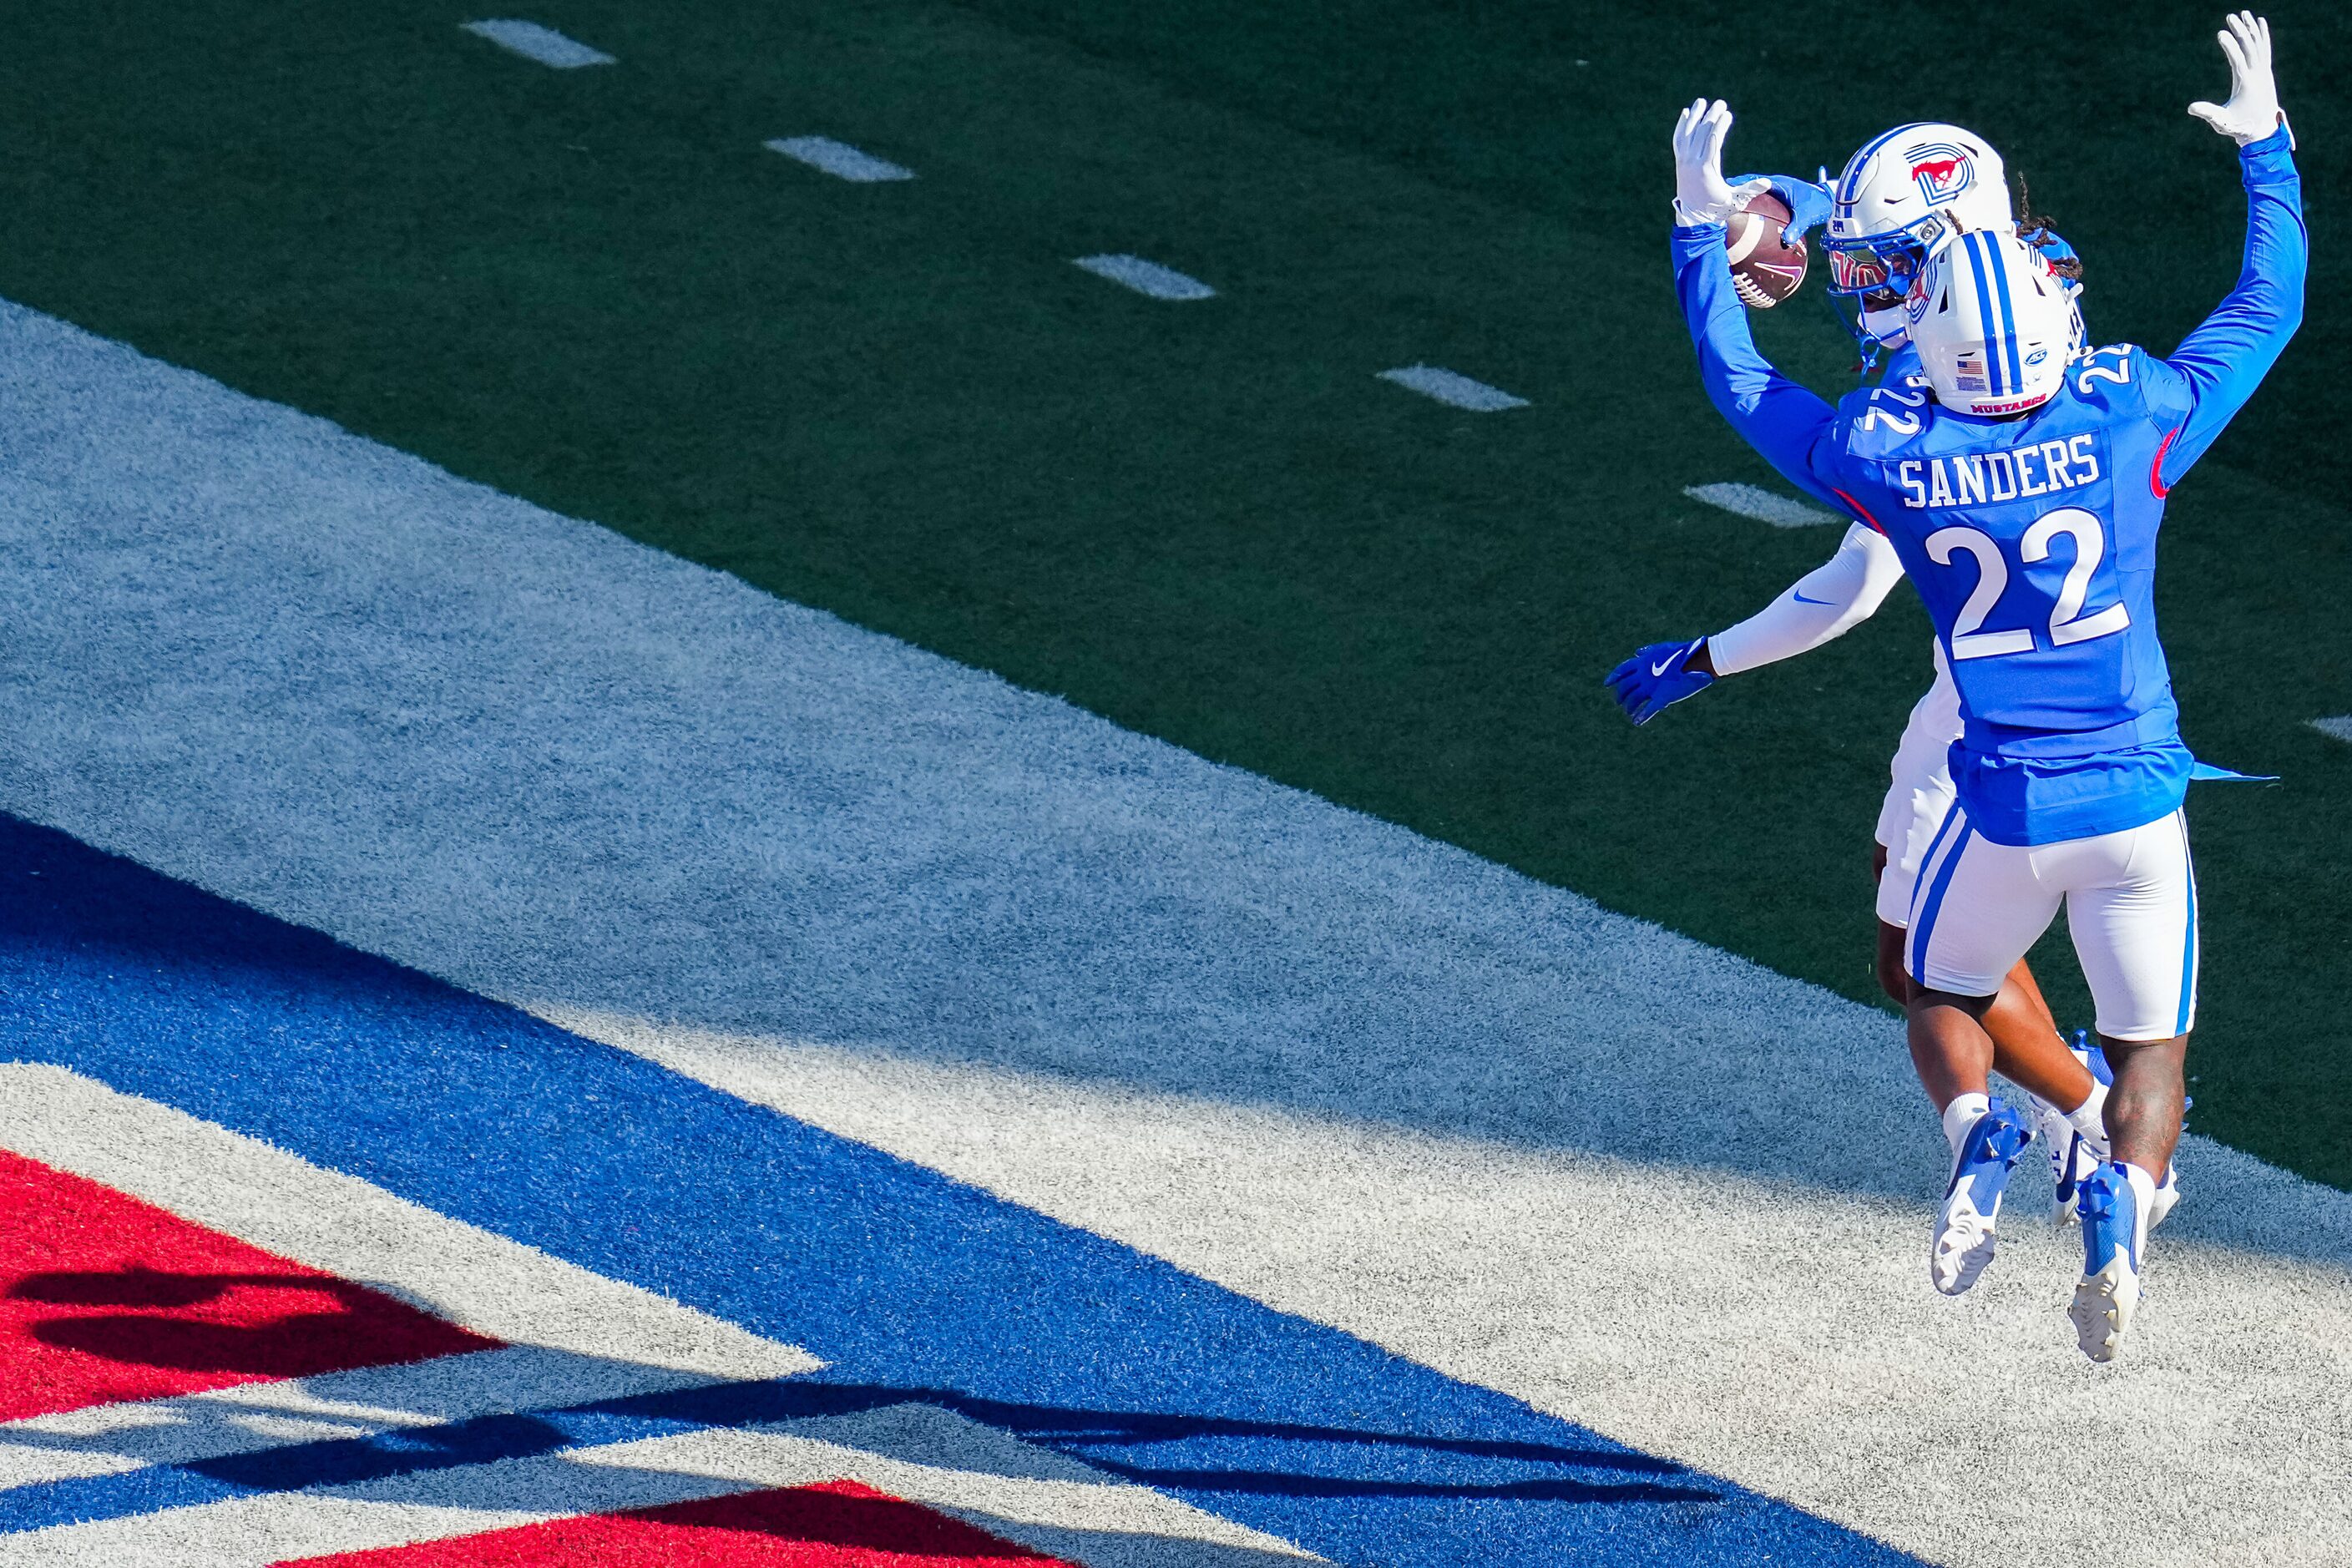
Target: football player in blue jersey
x: 1901, y: 194
x: 1899, y: 199
x: 2021, y: 481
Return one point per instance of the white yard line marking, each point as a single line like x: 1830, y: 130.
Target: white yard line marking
x: 1146, y: 277
x: 2339, y: 728
x: 545, y: 44
x: 1761, y: 505
x: 1364, y: 1077
x: 341, y: 1224
x: 839, y: 159
x: 1451, y: 387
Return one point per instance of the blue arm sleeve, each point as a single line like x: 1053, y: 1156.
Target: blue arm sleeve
x: 1780, y: 419
x: 2226, y: 358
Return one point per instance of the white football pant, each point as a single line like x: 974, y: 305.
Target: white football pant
x: 1921, y: 793
x: 2131, y: 905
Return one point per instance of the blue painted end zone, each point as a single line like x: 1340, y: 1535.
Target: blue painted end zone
x: 902, y: 1280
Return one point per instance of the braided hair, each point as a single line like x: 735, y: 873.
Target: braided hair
x: 2036, y: 230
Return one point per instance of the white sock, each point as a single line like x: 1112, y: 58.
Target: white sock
x: 2090, y: 1118
x: 2143, y: 1186
x: 1961, y: 1115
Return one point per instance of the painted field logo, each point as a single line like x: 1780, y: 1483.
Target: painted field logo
x: 383, y: 1386
x: 1941, y: 171
x: 105, y: 1299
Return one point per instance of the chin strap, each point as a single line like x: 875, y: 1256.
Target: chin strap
x: 1868, y: 350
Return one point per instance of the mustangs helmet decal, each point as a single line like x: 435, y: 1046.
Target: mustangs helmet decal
x: 1941, y: 170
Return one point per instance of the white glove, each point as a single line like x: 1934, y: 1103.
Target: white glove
x: 2252, y: 111
x: 1701, y: 194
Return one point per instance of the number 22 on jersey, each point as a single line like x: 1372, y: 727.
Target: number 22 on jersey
x: 2068, y: 624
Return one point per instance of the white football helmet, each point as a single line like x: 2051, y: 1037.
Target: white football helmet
x: 1993, y: 326
x: 1902, y: 197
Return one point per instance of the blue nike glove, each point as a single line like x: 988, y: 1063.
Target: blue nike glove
x: 1808, y: 199
x: 2064, y: 262
x: 1655, y: 678
x: 2052, y: 248
x: 2049, y: 243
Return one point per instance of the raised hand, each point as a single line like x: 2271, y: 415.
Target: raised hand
x: 2252, y: 111
x: 1700, y: 190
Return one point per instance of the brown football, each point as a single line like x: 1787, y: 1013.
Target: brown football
x: 1768, y: 262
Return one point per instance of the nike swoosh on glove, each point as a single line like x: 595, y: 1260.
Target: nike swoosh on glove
x: 1657, y: 677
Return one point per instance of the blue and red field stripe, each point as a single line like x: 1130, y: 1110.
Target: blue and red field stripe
x: 909, y: 1285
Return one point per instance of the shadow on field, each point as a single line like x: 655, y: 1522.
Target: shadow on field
x: 924, y: 1292
x: 1274, y: 952
x: 583, y: 1464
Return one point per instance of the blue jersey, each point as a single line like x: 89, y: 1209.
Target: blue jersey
x: 2032, y: 539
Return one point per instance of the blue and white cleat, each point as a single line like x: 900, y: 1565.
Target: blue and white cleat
x: 2115, y: 1229
x: 2073, y: 1156
x: 1964, y: 1239
x: 2082, y: 1158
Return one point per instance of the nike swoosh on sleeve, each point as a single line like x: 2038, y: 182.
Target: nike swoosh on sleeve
x: 1801, y: 598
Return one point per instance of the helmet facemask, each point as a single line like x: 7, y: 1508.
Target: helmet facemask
x: 1887, y: 262
x: 1901, y: 199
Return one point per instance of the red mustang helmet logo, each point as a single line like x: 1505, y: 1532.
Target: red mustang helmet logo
x: 1941, y: 173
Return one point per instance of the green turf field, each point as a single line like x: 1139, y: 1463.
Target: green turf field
x: 1209, y: 521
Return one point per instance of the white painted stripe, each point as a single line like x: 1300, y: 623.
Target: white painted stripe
x: 343, y: 1226
x: 914, y: 1451
x: 1448, y: 387
x: 545, y: 44
x: 1146, y: 277
x: 108, y: 1439
x: 839, y: 159
x: 930, y: 1455
x: 920, y: 1453
x: 1657, y: 1303
x: 1366, y: 1078
x: 2339, y: 728
x: 1760, y: 504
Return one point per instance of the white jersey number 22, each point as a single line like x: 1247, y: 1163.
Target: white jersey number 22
x: 2068, y: 624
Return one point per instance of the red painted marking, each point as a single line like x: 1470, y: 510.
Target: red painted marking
x: 840, y: 1524
x: 2156, y: 471
x: 1940, y: 171
x: 1860, y: 510
x: 103, y: 1298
